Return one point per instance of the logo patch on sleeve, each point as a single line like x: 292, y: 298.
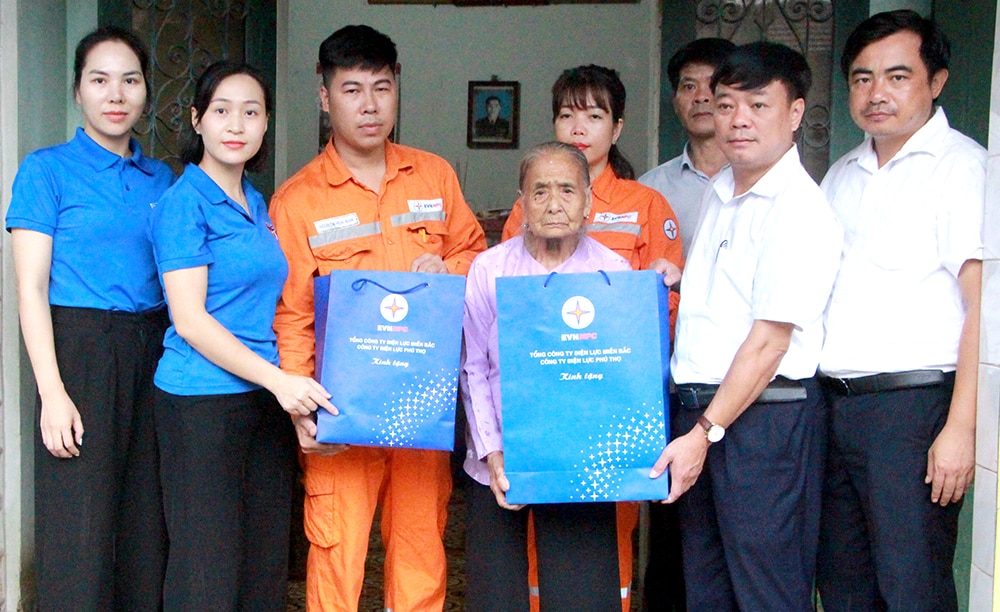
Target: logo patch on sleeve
x: 333, y: 223
x: 606, y: 217
x: 421, y: 206
x: 670, y: 229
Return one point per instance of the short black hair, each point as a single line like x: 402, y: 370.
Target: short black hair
x: 110, y: 34
x: 708, y: 51
x: 194, y: 148
x: 487, y: 101
x: 759, y: 63
x: 356, y: 46
x: 935, y: 49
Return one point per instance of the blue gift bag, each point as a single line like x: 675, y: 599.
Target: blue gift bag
x: 583, y: 371
x: 388, y: 346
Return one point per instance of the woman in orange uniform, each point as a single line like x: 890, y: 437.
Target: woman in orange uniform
x: 588, y: 108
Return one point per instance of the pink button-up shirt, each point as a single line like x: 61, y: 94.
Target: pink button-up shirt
x: 480, y: 378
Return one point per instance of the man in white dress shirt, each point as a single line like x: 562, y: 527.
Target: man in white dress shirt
x: 749, y: 335
x: 901, y: 353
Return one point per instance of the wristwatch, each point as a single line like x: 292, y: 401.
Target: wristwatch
x: 713, y: 432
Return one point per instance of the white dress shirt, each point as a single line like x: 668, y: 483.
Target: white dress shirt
x: 908, y: 228
x: 768, y: 254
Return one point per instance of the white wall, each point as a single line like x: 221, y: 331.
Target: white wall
x: 984, y: 594
x: 441, y: 48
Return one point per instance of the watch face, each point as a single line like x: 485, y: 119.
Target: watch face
x: 715, y: 433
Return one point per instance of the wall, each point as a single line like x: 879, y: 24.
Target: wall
x: 441, y: 48
x: 81, y: 19
x: 921, y: 6
x: 10, y: 476
x: 984, y: 593
x: 966, y: 97
x: 41, y: 89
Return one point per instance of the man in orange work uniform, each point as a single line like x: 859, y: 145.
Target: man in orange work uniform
x: 367, y: 204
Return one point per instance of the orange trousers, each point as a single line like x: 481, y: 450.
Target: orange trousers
x: 628, y: 518
x: 342, y: 493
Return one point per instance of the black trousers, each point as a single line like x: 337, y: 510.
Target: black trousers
x: 664, y: 580
x: 750, y: 524
x: 577, y: 556
x: 226, y: 466
x: 884, y: 545
x: 99, y: 531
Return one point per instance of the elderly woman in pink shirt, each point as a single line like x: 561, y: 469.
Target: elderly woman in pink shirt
x: 577, y: 544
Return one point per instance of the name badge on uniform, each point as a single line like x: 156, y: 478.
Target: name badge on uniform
x: 423, y: 206
x: 326, y: 225
x: 606, y: 217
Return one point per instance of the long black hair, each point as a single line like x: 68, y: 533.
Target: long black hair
x: 208, y: 82
x: 576, y: 86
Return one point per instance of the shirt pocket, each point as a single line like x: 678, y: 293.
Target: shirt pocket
x: 428, y: 235
x: 344, y: 254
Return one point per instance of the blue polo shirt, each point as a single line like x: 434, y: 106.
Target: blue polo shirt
x: 196, y: 224
x: 96, y: 205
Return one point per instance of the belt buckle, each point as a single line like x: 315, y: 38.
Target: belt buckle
x: 840, y: 386
x: 688, y: 396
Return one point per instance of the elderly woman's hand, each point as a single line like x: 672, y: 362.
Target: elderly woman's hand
x: 498, y: 481
x: 671, y: 273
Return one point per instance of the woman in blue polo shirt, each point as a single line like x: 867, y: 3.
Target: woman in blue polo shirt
x: 92, y: 317
x: 227, y: 448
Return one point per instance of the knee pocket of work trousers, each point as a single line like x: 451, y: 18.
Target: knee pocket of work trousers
x: 319, y: 516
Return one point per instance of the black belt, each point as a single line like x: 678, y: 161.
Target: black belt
x: 892, y: 381
x: 781, y: 390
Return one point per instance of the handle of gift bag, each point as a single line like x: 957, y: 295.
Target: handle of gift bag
x: 359, y: 284
x: 553, y: 274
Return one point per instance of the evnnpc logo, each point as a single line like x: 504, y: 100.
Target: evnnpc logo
x: 578, y: 312
x: 394, y: 308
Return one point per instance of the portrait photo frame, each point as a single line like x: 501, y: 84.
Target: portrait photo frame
x: 494, y: 112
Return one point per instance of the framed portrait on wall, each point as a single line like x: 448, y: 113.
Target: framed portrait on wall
x: 494, y: 115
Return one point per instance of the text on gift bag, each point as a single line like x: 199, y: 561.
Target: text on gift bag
x: 388, y: 346
x: 583, y: 370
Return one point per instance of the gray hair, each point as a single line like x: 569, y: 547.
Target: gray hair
x: 549, y: 148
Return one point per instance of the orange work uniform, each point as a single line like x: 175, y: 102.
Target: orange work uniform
x: 326, y: 220
x: 637, y: 223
